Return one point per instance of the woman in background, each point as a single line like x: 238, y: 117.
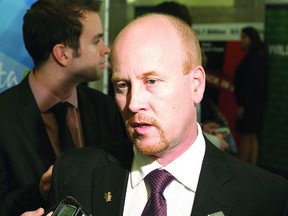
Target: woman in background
x: 249, y: 92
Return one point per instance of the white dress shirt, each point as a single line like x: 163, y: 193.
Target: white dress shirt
x: 180, y: 193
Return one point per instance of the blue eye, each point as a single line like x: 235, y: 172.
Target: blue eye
x: 151, y: 81
x: 121, y: 85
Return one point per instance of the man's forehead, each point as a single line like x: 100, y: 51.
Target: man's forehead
x: 144, y: 44
x: 143, y: 41
x: 148, y: 27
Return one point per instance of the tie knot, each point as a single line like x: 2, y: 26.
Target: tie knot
x: 60, y: 110
x: 159, y: 180
x: 65, y: 138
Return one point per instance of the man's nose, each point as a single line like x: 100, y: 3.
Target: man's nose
x: 105, y: 49
x: 137, y: 99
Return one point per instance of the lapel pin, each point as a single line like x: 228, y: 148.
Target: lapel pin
x: 220, y: 213
x: 108, y: 196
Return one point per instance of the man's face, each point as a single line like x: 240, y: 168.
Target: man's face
x: 154, y: 96
x: 90, y: 64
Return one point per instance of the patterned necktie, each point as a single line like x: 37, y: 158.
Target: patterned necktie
x: 158, y: 181
x: 60, y: 111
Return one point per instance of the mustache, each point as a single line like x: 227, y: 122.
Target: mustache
x: 141, y: 119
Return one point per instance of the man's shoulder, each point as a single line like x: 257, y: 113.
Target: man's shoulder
x: 244, y: 189
x: 11, y: 98
x: 12, y: 92
x: 245, y: 173
x: 9, y: 93
x: 119, y: 151
x: 257, y: 178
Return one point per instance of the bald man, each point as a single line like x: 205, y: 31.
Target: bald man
x: 158, y: 80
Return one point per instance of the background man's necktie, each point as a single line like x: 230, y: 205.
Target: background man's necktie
x: 60, y: 111
x: 158, y: 181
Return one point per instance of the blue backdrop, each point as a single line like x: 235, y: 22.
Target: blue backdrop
x: 14, y: 60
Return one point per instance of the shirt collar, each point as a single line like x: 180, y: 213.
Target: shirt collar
x: 45, y: 99
x: 190, y: 161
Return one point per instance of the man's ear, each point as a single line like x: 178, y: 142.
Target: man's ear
x: 198, y: 79
x: 60, y: 54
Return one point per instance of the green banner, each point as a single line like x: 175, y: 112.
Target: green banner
x: 273, y: 149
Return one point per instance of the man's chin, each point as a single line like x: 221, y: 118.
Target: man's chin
x: 150, y: 149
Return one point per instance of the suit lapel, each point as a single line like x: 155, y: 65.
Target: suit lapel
x: 110, y: 181
x: 109, y: 190
x: 30, y: 117
x: 216, y: 188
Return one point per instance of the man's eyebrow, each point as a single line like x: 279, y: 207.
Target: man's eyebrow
x: 149, y: 73
x: 115, y: 79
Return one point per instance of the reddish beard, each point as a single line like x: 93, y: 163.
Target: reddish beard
x: 156, y: 146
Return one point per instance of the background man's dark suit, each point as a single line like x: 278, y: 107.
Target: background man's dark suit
x: 226, y: 184
x: 25, y: 149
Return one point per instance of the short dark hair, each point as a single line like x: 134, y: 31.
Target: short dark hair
x: 175, y: 9
x: 49, y: 22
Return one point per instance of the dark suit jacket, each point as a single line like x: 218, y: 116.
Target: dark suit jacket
x: 25, y: 149
x: 226, y: 184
